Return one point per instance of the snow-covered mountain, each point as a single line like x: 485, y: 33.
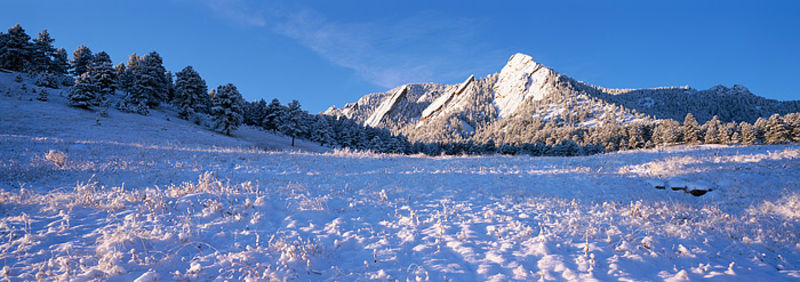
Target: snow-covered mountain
x: 524, y: 91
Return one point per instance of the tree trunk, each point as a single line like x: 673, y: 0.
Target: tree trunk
x: 292, y: 141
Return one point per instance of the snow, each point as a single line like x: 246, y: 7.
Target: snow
x: 386, y: 106
x: 521, y: 79
x: 446, y: 97
x: 149, y: 198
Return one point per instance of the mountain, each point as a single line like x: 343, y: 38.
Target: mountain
x: 525, y: 92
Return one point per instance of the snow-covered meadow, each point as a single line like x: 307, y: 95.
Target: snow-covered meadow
x: 125, y: 196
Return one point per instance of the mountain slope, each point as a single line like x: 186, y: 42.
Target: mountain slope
x: 525, y: 91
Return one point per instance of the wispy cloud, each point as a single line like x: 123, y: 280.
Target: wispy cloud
x: 417, y: 48
x: 241, y: 11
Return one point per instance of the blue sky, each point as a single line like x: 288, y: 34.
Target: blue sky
x: 333, y: 52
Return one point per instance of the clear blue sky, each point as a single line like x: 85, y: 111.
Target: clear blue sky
x: 332, y: 52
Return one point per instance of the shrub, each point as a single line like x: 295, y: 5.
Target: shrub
x: 47, y: 80
x: 58, y: 158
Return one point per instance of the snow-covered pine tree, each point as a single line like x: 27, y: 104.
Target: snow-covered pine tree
x: 272, y: 115
x: 59, y: 64
x: 83, y: 93
x: 691, y: 130
x: 293, y: 122
x: 253, y: 113
x: 793, y: 123
x: 102, y: 74
x: 729, y: 134
x: 42, y: 53
x: 47, y: 79
x: 15, y: 49
x: 712, y: 131
x: 191, y: 92
x: 321, y: 131
x: 151, y: 79
x: 636, y: 136
x: 262, y: 109
x: 376, y: 144
x: 3, y: 39
x: 121, y: 77
x: 667, y: 132
x: 81, y: 59
x: 227, y: 109
x: 42, y: 95
x: 135, y: 100
x: 776, y: 131
x: 344, y: 136
x: 170, y: 86
x: 760, y: 128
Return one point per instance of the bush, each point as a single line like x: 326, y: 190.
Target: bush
x: 58, y: 158
x: 42, y: 95
x: 47, y: 80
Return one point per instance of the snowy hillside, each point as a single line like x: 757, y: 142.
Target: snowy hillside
x: 55, y: 119
x: 147, y: 197
x: 525, y: 90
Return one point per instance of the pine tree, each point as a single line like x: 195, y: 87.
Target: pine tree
x: 776, y: 131
x: 135, y: 100
x: 292, y: 124
x: 43, y: 52
x: 376, y: 144
x: 15, y: 49
x: 59, y: 64
x: 253, y: 112
x: 667, y: 132
x: 119, y: 73
x: 191, y: 92
x: 321, y: 131
x: 759, y: 128
x: 793, y: 123
x: 272, y: 115
x: 48, y: 80
x: 42, y: 95
x: 691, y: 130
x: 170, y: 86
x: 126, y: 74
x: 712, y: 131
x: 83, y: 93
x: 81, y: 60
x: 262, y: 109
x: 227, y: 109
x: 102, y: 75
x: 151, y: 79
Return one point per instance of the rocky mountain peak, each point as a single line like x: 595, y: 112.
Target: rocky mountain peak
x: 521, y: 79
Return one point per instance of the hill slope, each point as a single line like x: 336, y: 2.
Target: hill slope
x: 26, y: 116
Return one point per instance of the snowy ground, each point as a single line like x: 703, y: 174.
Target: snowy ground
x: 128, y: 199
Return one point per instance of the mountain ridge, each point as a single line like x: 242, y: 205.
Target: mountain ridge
x: 525, y: 90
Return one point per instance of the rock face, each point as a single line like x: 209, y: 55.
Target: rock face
x: 445, y: 98
x: 524, y: 91
x: 386, y: 106
x: 519, y: 80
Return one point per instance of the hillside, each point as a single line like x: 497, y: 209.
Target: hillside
x: 525, y: 91
x: 25, y: 116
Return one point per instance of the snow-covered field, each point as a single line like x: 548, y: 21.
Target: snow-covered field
x: 143, y: 197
